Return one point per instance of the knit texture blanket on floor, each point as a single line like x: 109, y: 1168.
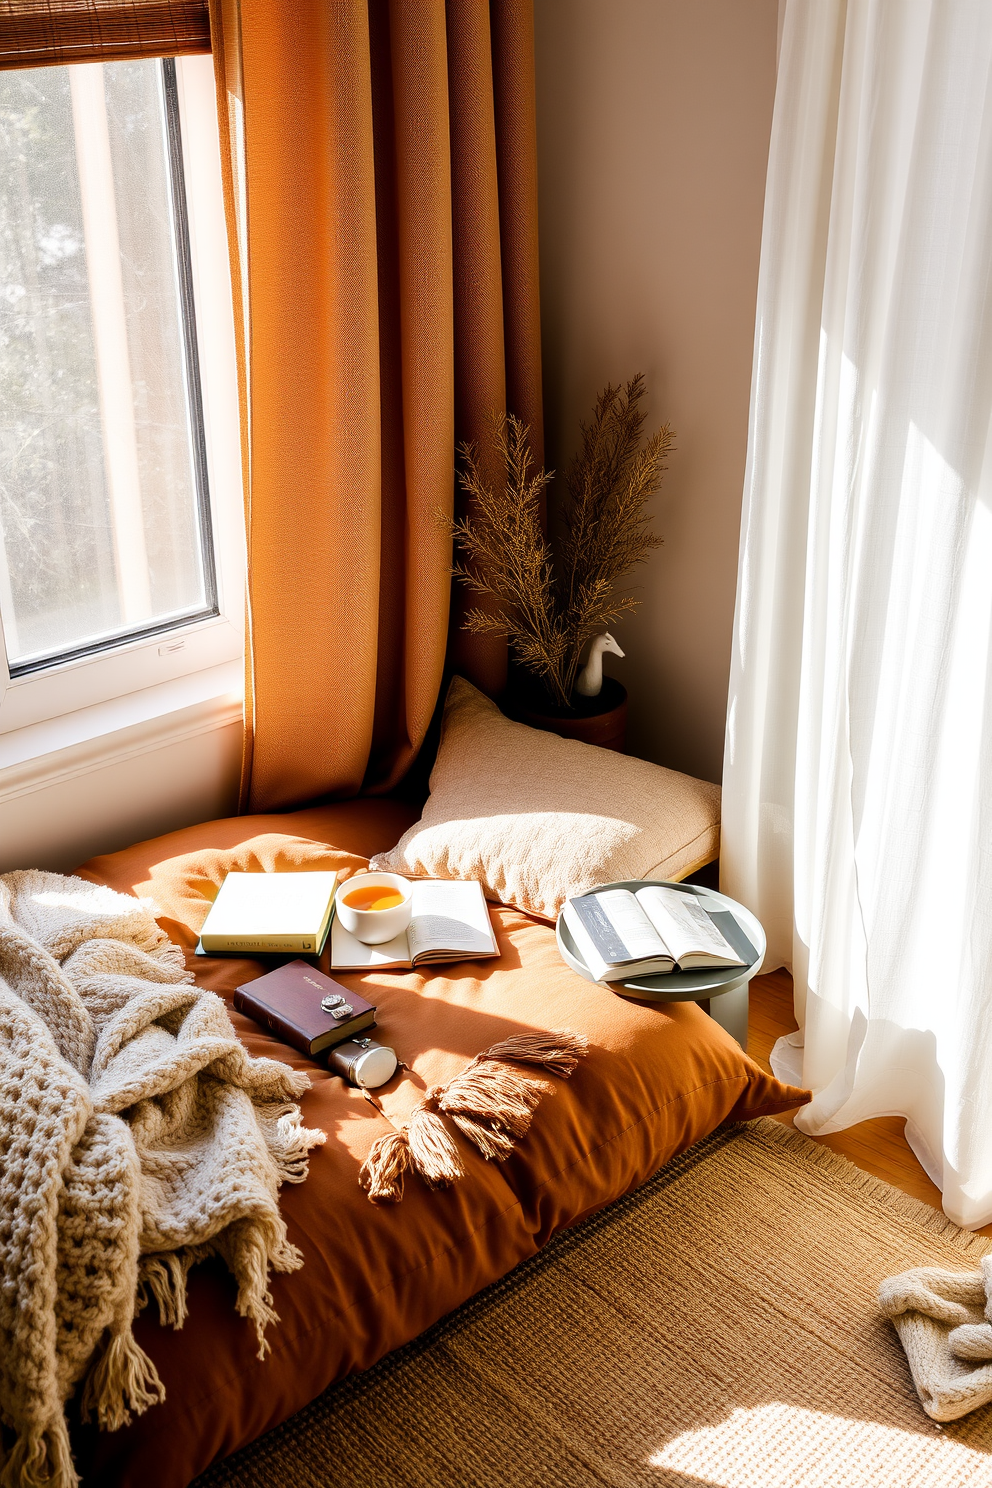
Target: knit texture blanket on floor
x: 137, y: 1136
x: 944, y: 1321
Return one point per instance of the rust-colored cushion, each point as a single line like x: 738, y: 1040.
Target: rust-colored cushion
x: 657, y: 1079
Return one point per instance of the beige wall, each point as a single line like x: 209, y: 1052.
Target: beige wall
x: 653, y: 127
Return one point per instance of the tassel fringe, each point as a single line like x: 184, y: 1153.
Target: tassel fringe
x: 249, y: 1260
x: 493, y: 1142
x: 41, y: 1459
x: 496, y: 1092
x: 162, y: 1279
x: 289, y: 1141
x: 558, y: 1051
x: 122, y: 1380
x: 491, y: 1104
x: 286, y: 1257
x: 384, y: 1170
x: 432, y: 1150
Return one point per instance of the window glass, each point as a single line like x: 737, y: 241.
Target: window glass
x: 104, y: 527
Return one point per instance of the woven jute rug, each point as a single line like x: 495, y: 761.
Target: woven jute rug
x: 716, y: 1329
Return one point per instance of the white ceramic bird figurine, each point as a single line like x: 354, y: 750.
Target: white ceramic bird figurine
x: 590, y: 680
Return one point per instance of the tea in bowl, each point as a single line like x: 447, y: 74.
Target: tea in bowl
x: 374, y: 907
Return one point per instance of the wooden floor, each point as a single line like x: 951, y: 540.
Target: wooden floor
x: 877, y: 1146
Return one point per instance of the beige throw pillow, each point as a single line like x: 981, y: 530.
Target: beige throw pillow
x: 536, y: 818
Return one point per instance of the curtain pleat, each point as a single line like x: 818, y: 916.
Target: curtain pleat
x: 515, y: 119
x: 480, y: 370
x: 373, y: 224
x: 413, y: 175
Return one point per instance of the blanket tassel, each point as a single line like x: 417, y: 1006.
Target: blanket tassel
x: 123, y: 1380
x: 493, y: 1140
x: 249, y: 1258
x: 497, y: 1093
x: 490, y: 1104
x: 41, y: 1459
x: 162, y: 1279
x: 432, y: 1151
x: 289, y: 1141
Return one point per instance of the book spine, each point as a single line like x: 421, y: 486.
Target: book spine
x: 302, y: 945
x: 595, y: 920
x: 266, y: 1018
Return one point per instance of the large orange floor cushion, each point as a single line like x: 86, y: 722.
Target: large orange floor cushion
x: 657, y: 1078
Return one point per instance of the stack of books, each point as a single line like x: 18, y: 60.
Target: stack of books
x: 263, y: 914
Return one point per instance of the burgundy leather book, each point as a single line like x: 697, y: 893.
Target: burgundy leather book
x: 303, y: 1007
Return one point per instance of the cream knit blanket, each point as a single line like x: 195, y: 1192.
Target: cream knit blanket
x: 944, y: 1321
x: 137, y: 1136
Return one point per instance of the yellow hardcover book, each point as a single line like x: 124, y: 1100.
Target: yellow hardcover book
x: 269, y: 913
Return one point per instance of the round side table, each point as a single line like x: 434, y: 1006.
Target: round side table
x: 722, y: 992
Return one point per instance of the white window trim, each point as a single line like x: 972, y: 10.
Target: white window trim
x: 195, y: 664
x: 58, y: 749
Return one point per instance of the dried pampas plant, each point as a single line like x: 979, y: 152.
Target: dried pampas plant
x: 548, y: 602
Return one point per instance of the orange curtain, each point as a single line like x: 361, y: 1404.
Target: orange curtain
x: 381, y: 196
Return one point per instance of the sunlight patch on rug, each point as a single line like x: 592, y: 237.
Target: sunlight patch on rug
x: 780, y: 1446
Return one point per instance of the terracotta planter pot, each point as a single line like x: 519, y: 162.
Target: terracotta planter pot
x: 601, y: 720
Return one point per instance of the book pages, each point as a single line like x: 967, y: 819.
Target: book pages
x: 450, y: 921
x: 350, y: 954
x: 613, y: 934
x: 687, y: 929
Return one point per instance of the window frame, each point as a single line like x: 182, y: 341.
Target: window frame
x: 162, y: 653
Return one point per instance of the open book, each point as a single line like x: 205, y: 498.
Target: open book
x: 450, y: 923
x: 652, y: 931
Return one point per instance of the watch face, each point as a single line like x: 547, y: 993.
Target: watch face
x: 331, y: 1001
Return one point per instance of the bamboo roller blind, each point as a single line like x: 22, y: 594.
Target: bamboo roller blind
x: 44, y: 33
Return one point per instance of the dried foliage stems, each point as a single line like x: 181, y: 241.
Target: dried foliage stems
x: 605, y: 526
x: 507, y: 556
x: 548, y: 610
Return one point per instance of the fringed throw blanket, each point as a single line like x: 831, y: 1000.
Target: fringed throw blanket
x: 489, y: 1102
x: 137, y: 1136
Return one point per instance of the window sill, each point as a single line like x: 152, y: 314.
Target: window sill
x: 59, y: 749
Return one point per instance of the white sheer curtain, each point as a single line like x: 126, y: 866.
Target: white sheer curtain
x: 858, y: 772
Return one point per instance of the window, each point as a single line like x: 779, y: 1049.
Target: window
x: 120, y: 560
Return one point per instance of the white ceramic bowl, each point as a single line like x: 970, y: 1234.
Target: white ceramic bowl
x: 373, y: 926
